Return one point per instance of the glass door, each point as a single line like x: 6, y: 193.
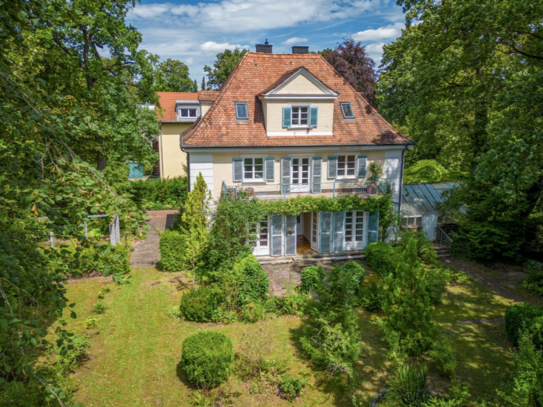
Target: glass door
x: 262, y: 244
x: 315, y: 231
x: 300, y: 174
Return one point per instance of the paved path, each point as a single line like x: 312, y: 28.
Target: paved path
x: 146, y: 252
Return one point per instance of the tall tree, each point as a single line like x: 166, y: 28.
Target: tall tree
x: 465, y: 84
x: 222, y: 68
x: 175, y: 77
x: 353, y: 63
x: 204, y: 83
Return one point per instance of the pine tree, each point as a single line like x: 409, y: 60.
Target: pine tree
x: 408, y: 326
x: 195, y: 225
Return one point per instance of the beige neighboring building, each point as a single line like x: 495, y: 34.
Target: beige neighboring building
x: 177, y: 112
x: 289, y: 125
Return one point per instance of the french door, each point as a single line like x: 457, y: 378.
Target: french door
x: 262, y: 243
x: 301, y: 174
x: 315, y: 231
x: 354, y: 230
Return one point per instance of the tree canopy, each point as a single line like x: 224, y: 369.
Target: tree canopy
x: 222, y: 68
x: 175, y: 77
x: 465, y: 84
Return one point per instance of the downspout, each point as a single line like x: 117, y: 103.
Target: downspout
x: 188, y: 157
x: 161, y: 154
x: 401, y: 179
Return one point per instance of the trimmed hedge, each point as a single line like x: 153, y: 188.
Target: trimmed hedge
x: 382, y: 257
x: 200, y: 305
x: 522, y: 316
x: 159, y: 194
x: 252, y: 281
x: 171, y: 249
x: 207, y: 358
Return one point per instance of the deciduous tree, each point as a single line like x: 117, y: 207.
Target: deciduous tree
x: 222, y: 68
x: 175, y: 77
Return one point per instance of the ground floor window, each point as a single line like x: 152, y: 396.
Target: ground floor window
x: 354, y: 226
x: 412, y: 222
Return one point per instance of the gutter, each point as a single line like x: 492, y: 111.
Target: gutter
x: 161, y: 154
x: 305, y: 145
x: 182, y: 145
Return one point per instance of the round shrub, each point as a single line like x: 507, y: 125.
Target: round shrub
x: 382, y: 257
x: 207, y: 358
x: 522, y: 316
x: 252, y: 281
x: 200, y: 305
x: 291, y: 386
x: 312, y: 278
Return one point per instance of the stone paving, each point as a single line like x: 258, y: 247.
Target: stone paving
x: 146, y: 252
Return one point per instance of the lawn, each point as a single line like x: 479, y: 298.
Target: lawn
x: 136, y: 347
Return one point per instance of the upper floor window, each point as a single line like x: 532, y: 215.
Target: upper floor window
x: 188, y: 113
x: 300, y: 116
x: 347, y: 110
x: 241, y: 112
x: 346, y: 165
x: 253, y: 168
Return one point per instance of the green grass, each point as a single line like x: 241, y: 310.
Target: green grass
x: 136, y: 347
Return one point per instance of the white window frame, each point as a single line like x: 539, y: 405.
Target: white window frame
x: 188, y: 107
x: 258, y: 248
x: 238, y: 118
x: 253, y: 170
x: 346, y: 176
x: 354, y: 244
x: 296, y: 106
x: 345, y: 117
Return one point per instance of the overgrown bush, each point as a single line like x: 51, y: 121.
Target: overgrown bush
x: 521, y: 316
x: 159, y: 194
x: 312, y: 277
x: 442, y: 353
x: 437, y: 278
x: 171, y: 250
x: 409, y: 386
x: 252, y: 281
x: 371, y: 297
x: 207, y: 358
x: 534, y: 278
x: 291, y: 386
x: 77, y: 353
x: 252, y: 312
x: 290, y: 304
x: 382, y: 257
x: 201, y: 305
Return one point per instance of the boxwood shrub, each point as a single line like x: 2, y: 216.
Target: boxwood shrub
x: 522, y: 316
x: 383, y: 258
x: 207, y: 358
x: 200, y: 305
x: 171, y: 249
x: 252, y: 281
x: 312, y: 278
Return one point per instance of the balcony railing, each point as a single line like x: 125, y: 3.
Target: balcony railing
x: 274, y: 192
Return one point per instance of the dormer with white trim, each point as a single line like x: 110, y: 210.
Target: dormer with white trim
x: 299, y: 106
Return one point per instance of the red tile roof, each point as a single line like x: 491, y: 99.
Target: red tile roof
x: 260, y: 72
x: 167, y: 104
x: 208, y: 95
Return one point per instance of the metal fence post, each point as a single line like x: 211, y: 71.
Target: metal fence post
x: 52, y: 239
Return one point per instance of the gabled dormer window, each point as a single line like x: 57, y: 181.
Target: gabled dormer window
x: 347, y: 110
x: 242, y: 113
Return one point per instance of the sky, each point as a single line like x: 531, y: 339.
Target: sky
x: 195, y: 31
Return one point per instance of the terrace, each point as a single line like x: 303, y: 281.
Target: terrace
x: 275, y: 192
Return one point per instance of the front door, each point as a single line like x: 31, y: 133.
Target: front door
x: 315, y: 231
x: 300, y: 174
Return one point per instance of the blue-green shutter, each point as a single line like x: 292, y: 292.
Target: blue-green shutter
x: 285, y: 175
x: 314, y: 116
x: 339, y: 221
x: 276, y: 233
x: 362, y: 164
x: 316, y: 187
x: 332, y: 166
x: 269, y: 169
x: 290, y: 237
x: 237, y: 169
x: 286, y: 116
x: 326, y: 232
x: 373, y: 227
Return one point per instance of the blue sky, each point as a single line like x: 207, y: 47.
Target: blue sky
x: 195, y: 31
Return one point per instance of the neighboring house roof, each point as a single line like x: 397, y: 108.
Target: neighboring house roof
x: 208, y: 95
x: 167, y: 102
x: 422, y: 199
x: 258, y: 73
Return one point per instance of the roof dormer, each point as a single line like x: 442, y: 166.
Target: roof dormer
x: 301, y: 85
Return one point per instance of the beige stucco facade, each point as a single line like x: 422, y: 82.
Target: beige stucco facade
x: 172, y: 159
x: 274, y: 117
x: 300, y: 86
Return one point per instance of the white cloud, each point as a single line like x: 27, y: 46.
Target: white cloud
x: 375, y: 52
x: 388, y: 32
x: 212, y: 46
x: 149, y: 11
x: 295, y: 40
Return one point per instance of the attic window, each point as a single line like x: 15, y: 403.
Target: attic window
x: 188, y: 112
x: 347, y: 110
x: 241, y: 112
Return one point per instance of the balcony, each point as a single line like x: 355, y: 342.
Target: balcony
x: 275, y: 192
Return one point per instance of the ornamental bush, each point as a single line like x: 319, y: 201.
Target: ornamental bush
x: 171, y: 250
x: 524, y: 316
x: 291, y: 386
x: 168, y: 193
x: 251, y: 280
x: 200, y: 305
x: 312, y: 277
x: 382, y: 257
x: 207, y: 358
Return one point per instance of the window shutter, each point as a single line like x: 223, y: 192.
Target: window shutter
x: 339, y: 218
x: 237, y: 169
x: 269, y: 169
x: 362, y: 164
x: 332, y: 166
x: 373, y: 227
x: 317, y: 175
x: 285, y: 175
x: 286, y: 116
x: 290, y: 237
x: 276, y: 234
x: 326, y: 232
x: 314, y: 116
